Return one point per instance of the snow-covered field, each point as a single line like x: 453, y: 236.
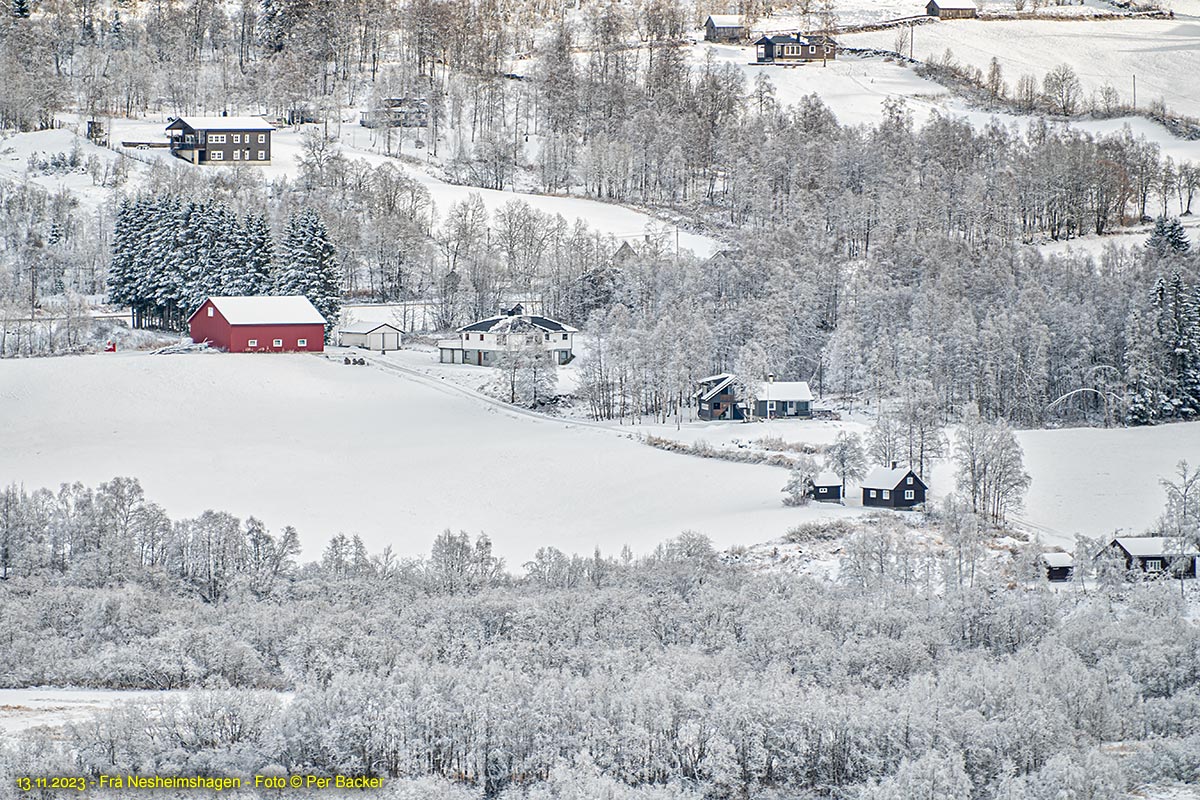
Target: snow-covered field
x: 1162, y: 53
x: 22, y: 709
x: 305, y: 441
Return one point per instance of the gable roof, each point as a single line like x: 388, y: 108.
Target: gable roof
x: 954, y: 5
x: 265, y: 310
x: 796, y: 391
x: 223, y: 124
x: 724, y: 20
x: 367, y: 326
x: 827, y: 478
x: 1058, y: 560
x: 713, y: 385
x: 1150, y: 546
x: 888, y: 478
x: 504, y: 323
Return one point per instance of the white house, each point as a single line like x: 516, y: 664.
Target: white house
x: 370, y: 335
x: 481, y: 343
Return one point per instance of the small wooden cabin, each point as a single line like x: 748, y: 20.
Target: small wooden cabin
x: 826, y: 487
x: 724, y: 28
x: 893, y: 487
x: 1059, y: 566
x: 794, y: 49
x: 952, y: 9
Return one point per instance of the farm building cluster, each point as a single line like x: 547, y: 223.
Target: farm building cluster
x: 1147, y: 556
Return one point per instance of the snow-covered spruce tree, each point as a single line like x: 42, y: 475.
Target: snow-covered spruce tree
x: 308, y: 266
x: 1168, y: 238
x: 21, y: 8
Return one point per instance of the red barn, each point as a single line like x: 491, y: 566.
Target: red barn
x: 259, y: 324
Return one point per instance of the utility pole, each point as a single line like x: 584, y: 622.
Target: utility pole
x: 912, y: 32
x: 1135, y: 92
x: 32, y: 298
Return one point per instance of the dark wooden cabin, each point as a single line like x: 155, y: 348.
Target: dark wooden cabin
x: 724, y: 28
x: 1157, y: 555
x: 893, y: 487
x: 952, y: 9
x: 826, y: 487
x: 1059, y: 566
x: 795, y: 49
x: 221, y: 140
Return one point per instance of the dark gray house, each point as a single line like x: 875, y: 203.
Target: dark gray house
x: 952, y: 9
x: 778, y: 399
x: 893, y: 487
x: 221, y: 140
x: 716, y: 398
x: 826, y: 487
x: 795, y: 49
x: 1157, y: 555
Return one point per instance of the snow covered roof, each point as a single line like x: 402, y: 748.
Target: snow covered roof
x: 224, y: 123
x: 955, y: 4
x: 827, y: 478
x: 725, y: 20
x: 504, y: 323
x: 785, y: 390
x: 1144, y: 546
x: 367, y: 326
x: 266, y: 310
x: 713, y: 385
x: 1058, y: 560
x: 886, y: 478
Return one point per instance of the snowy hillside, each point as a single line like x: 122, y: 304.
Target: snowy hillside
x: 309, y: 442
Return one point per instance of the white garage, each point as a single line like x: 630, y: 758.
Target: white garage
x: 370, y: 335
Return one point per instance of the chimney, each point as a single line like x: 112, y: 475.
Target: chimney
x: 895, y: 464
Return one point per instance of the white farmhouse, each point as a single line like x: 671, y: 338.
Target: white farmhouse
x: 481, y: 343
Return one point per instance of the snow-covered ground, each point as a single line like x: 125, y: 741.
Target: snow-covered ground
x: 306, y: 441
x: 1162, y: 53
x: 22, y: 709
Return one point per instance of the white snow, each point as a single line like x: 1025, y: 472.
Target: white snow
x: 22, y: 709
x: 227, y: 123
x: 264, y: 310
x: 307, y: 441
x: 785, y: 390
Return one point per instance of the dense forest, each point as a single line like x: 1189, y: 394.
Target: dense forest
x: 931, y: 667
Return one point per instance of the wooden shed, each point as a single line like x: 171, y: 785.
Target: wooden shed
x: 382, y: 336
x: 827, y: 487
x: 952, y: 9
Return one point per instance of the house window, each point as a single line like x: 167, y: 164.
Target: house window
x: 216, y: 138
x: 216, y: 155
x: 886, y: 494
x: 812, y: 49
x: 908, y: 480
x: 237, y: 155
x: 237, y: 139
x: 277, y: 343
x: 262, y: 138
x: 252, y: 343
x: 822, y: 490
x: 481, y: 337
x: 909, y: 494
x: 871, y: 493
x: 302, y: 343
x: 564, y: 337
x: 1153, y: 564
x: 770, y: 405
x: 262, y: 155
x: 547, y: 337
x: 704, y: 406
x: 210, y: 311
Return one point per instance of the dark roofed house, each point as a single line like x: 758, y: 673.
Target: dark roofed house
x: 716, y: 398
x: 221, y: 140
x: 893, y: 487
x: 1157, y: 555
x: 724, y: 28
x: 795, y: 49
x: 481, y: 342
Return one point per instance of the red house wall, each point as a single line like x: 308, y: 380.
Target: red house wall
x: 236, y: 338
x: 214, y: 329
x: 240, y: 336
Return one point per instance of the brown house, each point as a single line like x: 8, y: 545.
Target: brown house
x: 724, y: 28
x: 221, y: 140
x: 952, y: 9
